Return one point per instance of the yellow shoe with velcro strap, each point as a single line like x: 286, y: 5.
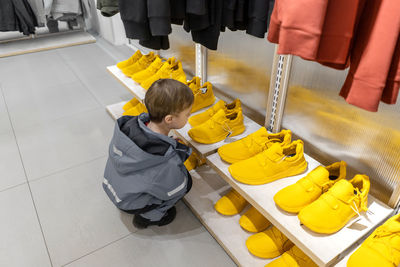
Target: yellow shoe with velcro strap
x: 139, y: 65
x: 334, y: 209
x: 295, y: 197
x: 203, y: 97
x: 130, y: 61
x: 143, y: 75
x: 136, y: 110
x: 253, y: 144
x: 130, y: 104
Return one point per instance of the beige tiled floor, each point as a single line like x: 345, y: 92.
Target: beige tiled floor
x: 54, y: 134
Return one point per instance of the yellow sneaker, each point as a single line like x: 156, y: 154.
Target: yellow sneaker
x: 193, y: 161
x: 219, y: 127
x: 139, y: 65
x: 135, y: 57
x: 253, y: 144
x: 136, y: 110
x: 306, y: 190
x: 272, y: 164
x: 198, y: 119
x: 130, y: 104
x: 381, y: 248
x: 230, y: 204
x: 253, y: 221
x: 268, y: 244
x: 294, y: 257
x: 203, y: 97
x: 167, y: 71
x: 333, y: 210
x: 143, y: 75
x: 194, y: 83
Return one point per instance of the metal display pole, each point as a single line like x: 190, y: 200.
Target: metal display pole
x: 278, y: 89
x: 201, y: 62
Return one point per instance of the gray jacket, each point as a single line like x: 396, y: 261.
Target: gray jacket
x: 134, y: 178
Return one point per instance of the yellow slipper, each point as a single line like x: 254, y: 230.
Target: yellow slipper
x: 253, y: 221
x: 268, y: 244
x: 230, y: 204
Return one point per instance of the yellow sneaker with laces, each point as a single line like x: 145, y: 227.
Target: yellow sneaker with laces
x: 333, y: 210
x: 198, y: 119
x: 130, y: 61
x: 294, y: 257
x: 381, y: 248
x: 168, y: 70
x: 219, y: 127
x: 139, y: 65
x: 230, y: 204
x: 253, y: 144
x: 203, y: 97
x: 272, y: 164
x: 136, y: 110
x: 253, y: 221
x: 268, y: 244
x: 142, y: 75
x: 295, y: 197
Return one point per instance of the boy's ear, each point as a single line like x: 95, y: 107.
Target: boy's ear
x: 168, y: 118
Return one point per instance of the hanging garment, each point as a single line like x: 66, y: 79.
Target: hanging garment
x: 108, y: 8
x: 38, y: 8
x: 374, y: 70
x: 258, y: 16
x: 317, y: 30
x: 7, y: 16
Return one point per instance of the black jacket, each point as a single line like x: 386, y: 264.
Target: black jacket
x: 259, y: 12
x: 17, y: 15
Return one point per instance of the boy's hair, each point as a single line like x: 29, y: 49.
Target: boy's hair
x: 167, y: 97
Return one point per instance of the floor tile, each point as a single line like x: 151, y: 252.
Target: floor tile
x: 76, y: 215
x: 86, y: 59
x: 106, y: 89
x: 36, y: 69
x: 39, y: 104
x: 185, y: 242
x: 5, y: 124
x: 64, y: 143
x: 21, y: 242
x: 11, y: 169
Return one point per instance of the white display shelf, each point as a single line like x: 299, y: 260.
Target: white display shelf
x: 115, y: 110
x: 323, y: 249
x: 136, y: 89
x: 207, y: 149
x: 207, y: 188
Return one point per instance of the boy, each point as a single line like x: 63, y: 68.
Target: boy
x: 145, y: 174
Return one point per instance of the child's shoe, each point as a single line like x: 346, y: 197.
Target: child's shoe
x: 136, y: 110
x: 253, y: 144
x: 198, y: 119
x: 295, y: 197
x: 253, y: 221
x: 268, y: 244
x: 381, y: 248
x: 139, y: 65
x: 333, y: 210
x: 230, y: 204
x: 130, y: 104
x: 130, y: 61
x: 143, y: 75
x: 294, y: 257
x: 141, y: 222
x: 272, y: 164
x: 219, y: 127
x: 203, y: 97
